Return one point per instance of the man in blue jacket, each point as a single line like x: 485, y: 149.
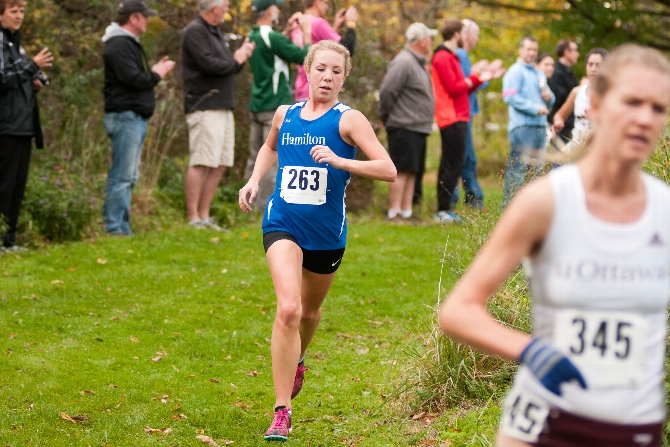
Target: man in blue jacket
x: 528, y: 107
x: 129, y: 103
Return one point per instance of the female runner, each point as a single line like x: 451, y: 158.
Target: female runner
x: 305, y: 227
x: 596, y: 238
x: 578, y: 101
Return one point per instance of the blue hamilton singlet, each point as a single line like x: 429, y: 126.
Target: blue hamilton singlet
x: 308, y: 201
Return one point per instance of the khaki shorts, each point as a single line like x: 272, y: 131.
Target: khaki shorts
x: 211, y: 138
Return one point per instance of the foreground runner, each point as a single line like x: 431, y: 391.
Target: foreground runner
x: 305, y: 228
x: 597, y: 237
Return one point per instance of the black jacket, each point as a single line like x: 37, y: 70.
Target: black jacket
x: 561, y: 83
x: 208, y: 68
x: 129, y: 81
x: 19, y: 114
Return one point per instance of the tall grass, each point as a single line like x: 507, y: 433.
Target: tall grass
x: 446, y: 373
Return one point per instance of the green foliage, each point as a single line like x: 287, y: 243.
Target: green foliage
x: 61, y: 206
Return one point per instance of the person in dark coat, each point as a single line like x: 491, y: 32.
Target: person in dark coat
x: 563, y: 81
x: 20, y: 79
x: 129, y: 103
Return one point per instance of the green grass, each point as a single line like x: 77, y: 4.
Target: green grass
x: 133, y: 333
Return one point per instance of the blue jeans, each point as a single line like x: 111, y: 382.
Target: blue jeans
x: 127, y: 131
x: 474, y: 196
x: 525, y: 142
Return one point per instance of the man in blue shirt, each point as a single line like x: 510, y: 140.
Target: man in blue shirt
x: 528, y: 107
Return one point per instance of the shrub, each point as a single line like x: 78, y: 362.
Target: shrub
x: 61, y: 206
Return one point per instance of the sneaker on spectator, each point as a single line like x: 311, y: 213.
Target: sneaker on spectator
x: 197, y: 223
x: 212, y: 225
x: 280, y: 427
x: 447, y: 217
x: 12, y: 248
x: 299, y: 378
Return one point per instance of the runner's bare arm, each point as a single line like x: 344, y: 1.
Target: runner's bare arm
x: 566, y: 109
x: 357, y: 131
x: 519, y: 232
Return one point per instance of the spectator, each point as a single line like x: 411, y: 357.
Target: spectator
x: 20, y: 79
x: 528, y: 107
x: 209, y: 69
x: 406, y: 106
x: 270, y: 89
x: 452, y: 111
x: 129, y: 103
x: 545, y: 63
x: 579, y: 101
x: 563, y: 81
x: 321, y: 30
x: 474, y: 195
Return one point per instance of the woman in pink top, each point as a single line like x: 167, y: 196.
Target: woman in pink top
x: 321, y: 30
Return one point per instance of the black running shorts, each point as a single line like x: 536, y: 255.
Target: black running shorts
x: 323, y: 262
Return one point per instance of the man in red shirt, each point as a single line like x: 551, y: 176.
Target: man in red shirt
x: 452, y: 111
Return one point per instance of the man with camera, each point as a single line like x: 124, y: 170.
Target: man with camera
x: 20, y: 79
x: 129, y: 103
x: 209, y: 69
x: 270, y: 89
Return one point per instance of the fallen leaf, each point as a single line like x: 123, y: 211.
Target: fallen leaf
x: 228, y: 357
x: 102, y: 261
x: 57, y: 281
x: 240, y: 404
x: 165, y: 431
x: 178, y: 416
x: 363, y: 350
x: 12, y: 335
x: 175, y: 368
x: 207, y: 440
x: 74, y: 419
x: 214, y: 240
x: 134, y: 339
x: 213, y: 380
x: 418, y: 416
x: 157, y: 358
x: 65, y: 416
x: 253, y: 373
x: 428, y: 442
x: 224, y: 271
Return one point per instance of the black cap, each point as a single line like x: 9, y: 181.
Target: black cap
x: 131, y: 6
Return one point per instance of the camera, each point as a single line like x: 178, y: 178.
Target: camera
x: 42, y: 77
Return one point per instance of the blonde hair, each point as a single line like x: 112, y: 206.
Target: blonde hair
x: 623, y: 56
x: 328, y: 45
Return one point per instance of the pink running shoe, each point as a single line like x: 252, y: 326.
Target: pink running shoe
x: 280, y: 427
x: 299, y: 379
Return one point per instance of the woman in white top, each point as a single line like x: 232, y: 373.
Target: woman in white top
x: 596, y: 238
x: 578, y: 101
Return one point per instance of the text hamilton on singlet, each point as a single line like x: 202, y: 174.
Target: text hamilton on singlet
x: 306, y: 139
